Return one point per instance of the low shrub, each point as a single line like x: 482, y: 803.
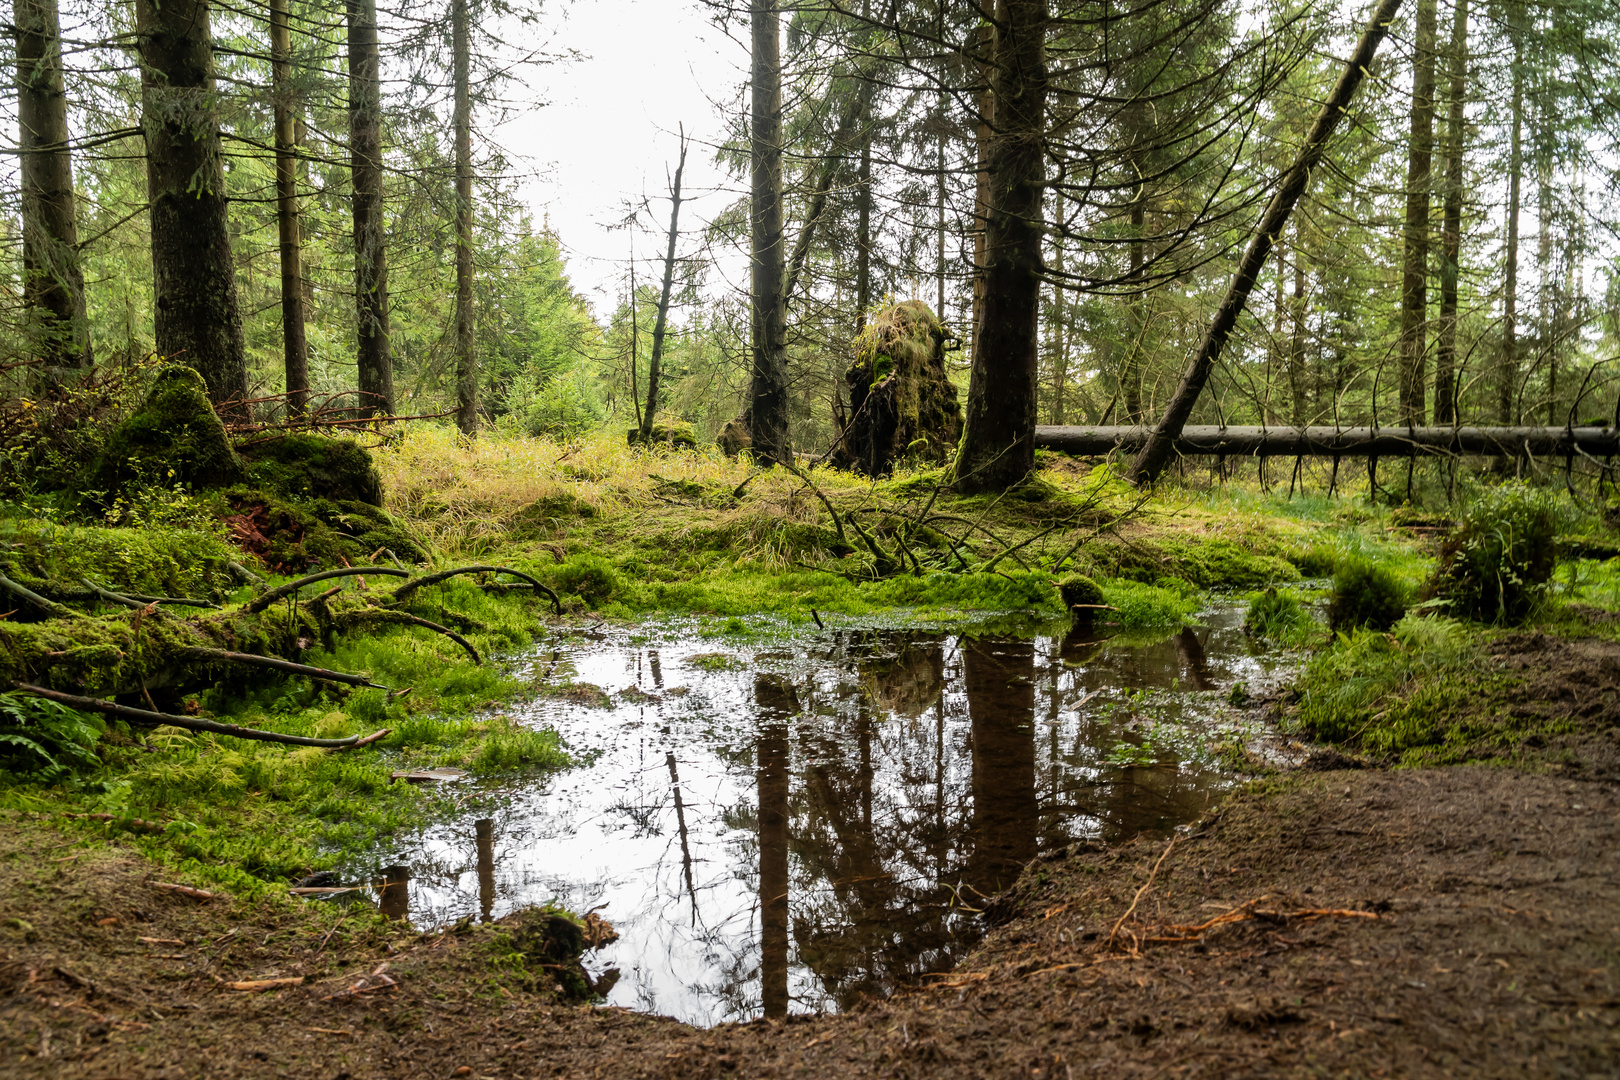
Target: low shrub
x: 1365, y: 594
x: 1497, y: 564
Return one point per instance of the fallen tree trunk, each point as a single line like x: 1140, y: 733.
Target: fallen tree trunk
x: 1341, y: 442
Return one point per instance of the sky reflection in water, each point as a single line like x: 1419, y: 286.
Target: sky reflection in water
x: 866, y: 784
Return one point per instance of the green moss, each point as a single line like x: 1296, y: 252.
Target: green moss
x: 154, y: 560
x: 174, y: 437
x: 294, y: 535
x: 1077, y: 589
x: 1497, y: 565
x: 310, y: 466
x: 1139, y: 605
x: 1212, y: 563
x: 544, y: 516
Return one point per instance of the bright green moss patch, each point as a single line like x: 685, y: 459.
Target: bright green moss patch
x: 155, y: 560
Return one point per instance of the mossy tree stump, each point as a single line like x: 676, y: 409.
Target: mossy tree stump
x: 902, y: 404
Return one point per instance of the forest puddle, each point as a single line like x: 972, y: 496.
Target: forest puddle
x: 872, y: 786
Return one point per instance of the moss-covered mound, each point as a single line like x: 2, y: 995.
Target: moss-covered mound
x: 315, y: 466
x: 294, y: 535
x: 902, y: 402
x: 175, y: 437
x: 678, y: 435
x: 153, y: 560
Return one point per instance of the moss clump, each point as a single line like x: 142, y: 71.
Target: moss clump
x: 1365, y: 594
x: 1279, y: 617
x: 592, y: 578
x: 315, y: 466
x: 174, y: 437
x: 1213, y: 563
x: 903, y: 404
x: 1496, y: 566
x: 1079, y: 590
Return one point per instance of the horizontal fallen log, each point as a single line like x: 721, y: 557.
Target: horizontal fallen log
x: 147, y: 718
x: 1324, y: 441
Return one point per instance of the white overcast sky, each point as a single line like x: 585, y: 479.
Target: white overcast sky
x: 608, y: 132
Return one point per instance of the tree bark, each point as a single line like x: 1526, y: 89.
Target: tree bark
x: 1297, y: 380
x: 1415, y: 234
x: 466, y: 358
x: 53, y: 281
x: 983, y: 135
x: 295, y: 350
x: 197, y: 320
x: 1445, y: 349
x: 373, y: 353
x: 1156, y: 453
x: 1508, y: 376
x: 1131, y: 370
x: 768, y: 389
x: 997, y: 450
x: 655, y: 364
x: 1323, y: 441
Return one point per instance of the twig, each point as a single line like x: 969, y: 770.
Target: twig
x: 1140, y: 892
x: 184, y: 890
x: 265, y: 599
x: 188, y: 723
x: 277, y: 664
x: 433, y: 579
x: 388, y: 615
x: 49, y: 607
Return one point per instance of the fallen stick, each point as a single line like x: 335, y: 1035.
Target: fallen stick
x: 277, y: 664
x: 388, y: 615
x: 184, y: 890
x: 1140, y: 892
x: 322, y: 890
x: 147, y: 718
x: 443, y: 575
x: 266, y: 984
x: 49, y: 607
x: 270, y: 596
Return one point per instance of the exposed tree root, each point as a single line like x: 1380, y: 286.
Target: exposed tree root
x: 270, y: 596
x: 444, y: 575
x: 402, y: 618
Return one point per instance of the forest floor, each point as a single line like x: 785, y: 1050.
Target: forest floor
x: 1351, y: 922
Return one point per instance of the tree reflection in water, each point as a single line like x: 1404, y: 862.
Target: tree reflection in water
x: 810, y: 826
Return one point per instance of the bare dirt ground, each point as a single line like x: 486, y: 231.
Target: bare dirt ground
x: 1359, y: 923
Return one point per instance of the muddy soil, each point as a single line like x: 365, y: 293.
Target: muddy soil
x: 1361, y: 923
x: 1575, y: 684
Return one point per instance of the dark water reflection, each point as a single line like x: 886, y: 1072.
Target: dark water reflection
x: 791, y: 829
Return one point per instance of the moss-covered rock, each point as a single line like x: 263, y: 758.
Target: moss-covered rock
x: 1078, y: 590
x: 678, y: 435
x: 902, y: 401
x: 175, y: 437
x: 315, y: 466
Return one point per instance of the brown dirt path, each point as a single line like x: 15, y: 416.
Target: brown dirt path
x: 1495, y: 952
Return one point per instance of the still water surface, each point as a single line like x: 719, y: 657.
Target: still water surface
x: 788, y: 828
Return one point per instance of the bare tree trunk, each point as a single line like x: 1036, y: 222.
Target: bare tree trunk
x: 53, y: 281
x: 863, y: 228
x: 466, y: 359
x: 653, y: 365
x: 768, y: 389
x: 373, y: 353
x: 294, y: 348
x: 1156, y: 454
x: 1508, y: 377
x: 1415, y: 235
x: 197, y: 319
x: 997, y: 449
x: 1445, y: 349
x: 983, y: 135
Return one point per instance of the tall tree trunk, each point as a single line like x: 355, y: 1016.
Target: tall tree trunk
x: 998, y: 449
x: 1131, y: 371
x: 294, y: 348
x: 1415, y: 235
x: 373, y: 353
x: 983, y: 136
x: 1060, y: 357
x: 466, y: 358
x: 197, y: 319
x: 53, y: 281
x: 863, y: 230
x: 654, y: 365
x: 768, y: 388
x: 1508, y: 376
x: 1445, y: 349
x: 1156, y: 454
